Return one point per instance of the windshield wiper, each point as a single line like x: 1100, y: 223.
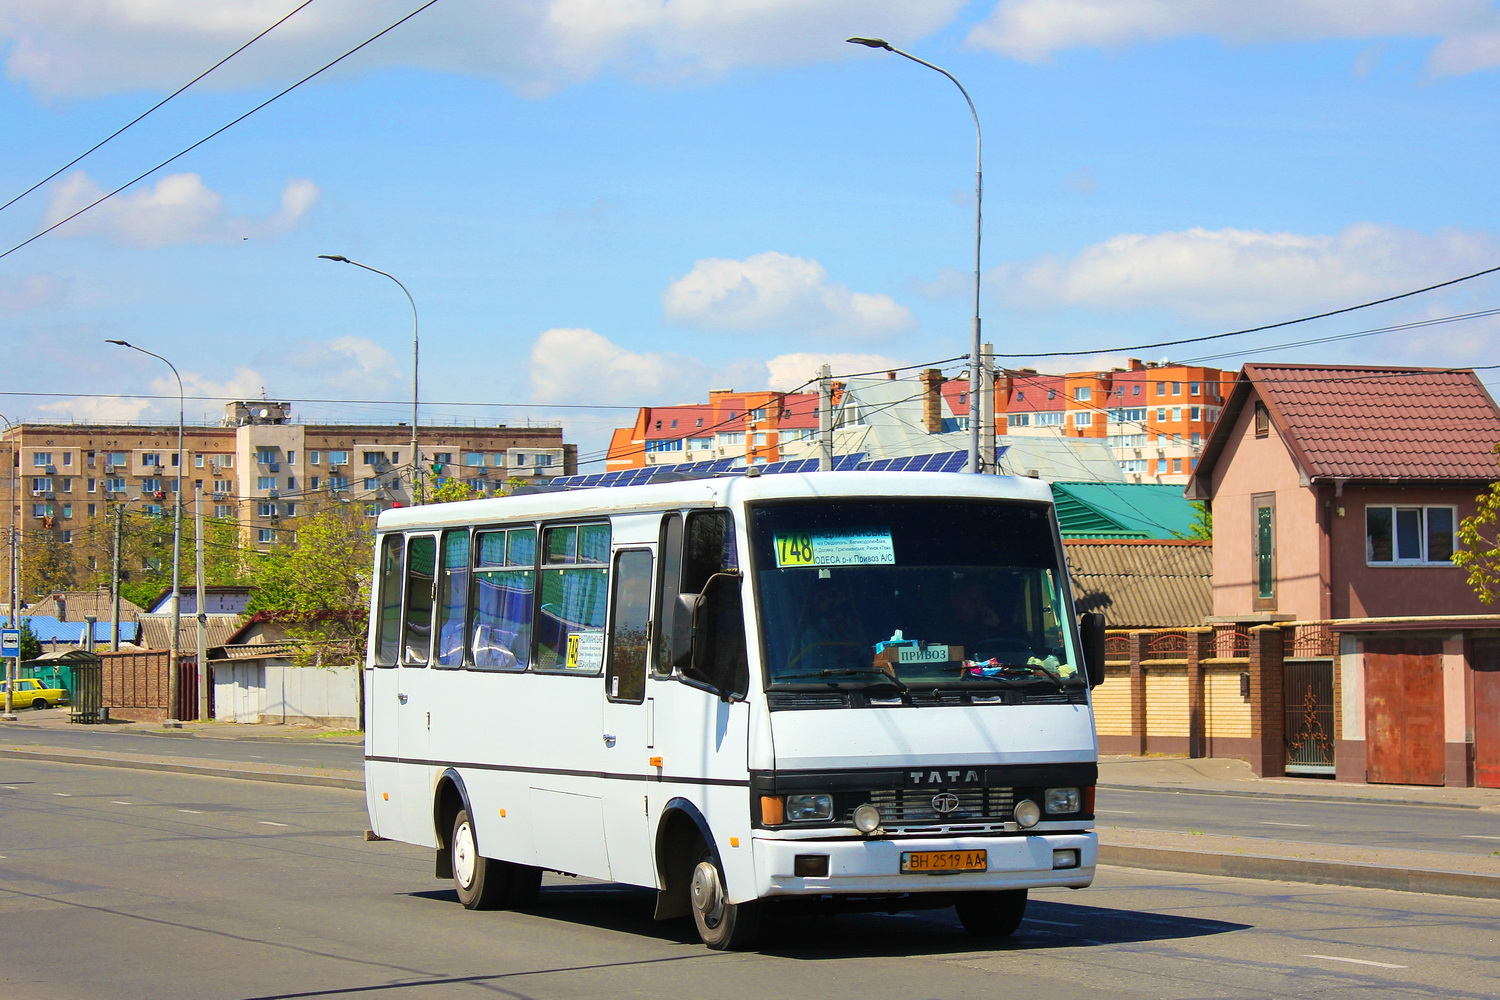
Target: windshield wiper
x: 1029, y: 679
x: 881, y: 678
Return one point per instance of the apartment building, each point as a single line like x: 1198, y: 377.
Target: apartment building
x: 1154, y: 417
x: 257, y: 467
x: 752, y: 427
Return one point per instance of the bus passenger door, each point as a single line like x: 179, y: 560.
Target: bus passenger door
x: 627, y: 736
x: 413, y: 706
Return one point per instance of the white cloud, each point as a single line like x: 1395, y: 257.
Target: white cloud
x: 581, y: 366
x: 346, y: 363
x: 101, y: 409
x: 180, y: 208
x: 1032, y: 30
x: 1232, y: 273
x: 32, y: 291
x: 90, y: 47
x: 787, y: 372
x: 774, y: 292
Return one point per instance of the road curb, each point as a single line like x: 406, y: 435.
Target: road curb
x: 1365, y: 876
x: 1249, y: 793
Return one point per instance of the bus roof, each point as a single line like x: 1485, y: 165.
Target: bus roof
x: 714, y: 492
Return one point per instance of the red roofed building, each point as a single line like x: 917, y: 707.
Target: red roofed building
x: 749, y: 426
x: 1336, y: 491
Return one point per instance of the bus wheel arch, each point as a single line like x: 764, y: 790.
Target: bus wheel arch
x: 681, y: 829
x: 449, y: 798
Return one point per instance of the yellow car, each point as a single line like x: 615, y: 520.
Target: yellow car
x: 33, y: 693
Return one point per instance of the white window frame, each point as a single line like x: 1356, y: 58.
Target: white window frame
x: 1425, y: 535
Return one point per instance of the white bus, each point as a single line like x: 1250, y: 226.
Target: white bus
x: 836, y: 689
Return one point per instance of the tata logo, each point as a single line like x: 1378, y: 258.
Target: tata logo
x: 956, y: 776
x: 945, y: 802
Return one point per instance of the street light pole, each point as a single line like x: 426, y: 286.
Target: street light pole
x: 975, y: 357
x: 174, y: 658
x: 416, y: 458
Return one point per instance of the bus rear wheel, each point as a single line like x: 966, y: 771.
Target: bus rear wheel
x: 723, y: 926
x: 991, y: 914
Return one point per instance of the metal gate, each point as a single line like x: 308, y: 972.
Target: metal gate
x: 1308, y: 693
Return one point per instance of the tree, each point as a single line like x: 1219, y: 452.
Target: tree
x: 31, y: 646
x: 1202, y: 528
x: 1479, y: 544
x: 317, y: 582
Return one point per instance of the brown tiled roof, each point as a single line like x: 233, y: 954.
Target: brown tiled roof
x: 1430, y: 424
x: 156, y: 631
x: 79, y: 603
x: 1142, y: 584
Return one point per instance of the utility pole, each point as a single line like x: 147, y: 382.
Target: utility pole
x: 825, y: 419
x: 986, y: 410
x: 202, y: 601
x: 114, y: 579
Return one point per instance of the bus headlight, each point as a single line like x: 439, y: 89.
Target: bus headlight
x: 1062, y: 800
x: 802, y: 808
x: 866, y: 818
x: 1027, y: 814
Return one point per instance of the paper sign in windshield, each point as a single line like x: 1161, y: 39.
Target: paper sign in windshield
x: 860, y: 547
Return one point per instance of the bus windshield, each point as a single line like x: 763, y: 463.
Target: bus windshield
x: 902, y: 594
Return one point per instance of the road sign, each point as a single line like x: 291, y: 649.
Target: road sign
x: 10, y: 642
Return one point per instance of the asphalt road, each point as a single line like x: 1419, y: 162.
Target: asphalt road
x: 299, y: 752
x: 124, y: 884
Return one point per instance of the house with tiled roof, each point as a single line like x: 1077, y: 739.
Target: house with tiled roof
x: 1336, y: 491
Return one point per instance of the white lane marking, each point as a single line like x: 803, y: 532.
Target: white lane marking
x: 1052, y: 923
x: 266, y: 822
x: 1355, y: 961
x: 1300, y: 826
x: 8, y: 788
x: 1113, y: 812
x: 1477, y: 836
x: 63, y: 795
x: 192, y: 812
x: 117, y: 802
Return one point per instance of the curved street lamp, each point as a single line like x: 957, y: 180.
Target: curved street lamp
x: 975, y: 359
x: 416, y: 458
x: 174, y: 661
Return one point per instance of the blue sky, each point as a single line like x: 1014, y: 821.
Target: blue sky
x: 614, y: 203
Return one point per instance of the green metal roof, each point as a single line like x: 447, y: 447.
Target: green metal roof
x: 1122, y: 510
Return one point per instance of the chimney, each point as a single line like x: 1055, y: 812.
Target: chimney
x: 932, y: 400
x: 62, y: 607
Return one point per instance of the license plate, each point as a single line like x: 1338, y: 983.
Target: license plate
x: 943, y: 862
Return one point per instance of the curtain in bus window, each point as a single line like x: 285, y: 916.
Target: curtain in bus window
x: 502, y: 598
x: 570, y: 623
x: 420, y: 566
x: 453, y: 599
x: 388, y: 625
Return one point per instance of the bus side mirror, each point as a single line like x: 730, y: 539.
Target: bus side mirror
x: 1091, y: 632
x: 683, y: 615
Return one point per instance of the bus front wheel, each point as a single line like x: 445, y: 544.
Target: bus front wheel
x: 992, y: 914
x: 723, y: 926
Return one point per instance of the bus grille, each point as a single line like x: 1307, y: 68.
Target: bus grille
x: 909, y: 807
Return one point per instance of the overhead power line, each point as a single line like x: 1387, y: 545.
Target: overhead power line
x: 155, y: 107
x: 218, y: 131
x: 1253, y: 329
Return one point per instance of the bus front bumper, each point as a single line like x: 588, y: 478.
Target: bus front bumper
x: 874, y: 865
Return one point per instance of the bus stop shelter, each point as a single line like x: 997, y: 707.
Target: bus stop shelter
x: 80, y: 674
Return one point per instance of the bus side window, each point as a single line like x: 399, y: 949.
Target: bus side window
x: 503, y: 585
x: 421, y: 565
x: 452, y: 598
x: 630, y: 616
x: 388, y: 622
x: 569, y: 627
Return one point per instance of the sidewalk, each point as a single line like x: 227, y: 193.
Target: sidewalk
x: 1241, y: 857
